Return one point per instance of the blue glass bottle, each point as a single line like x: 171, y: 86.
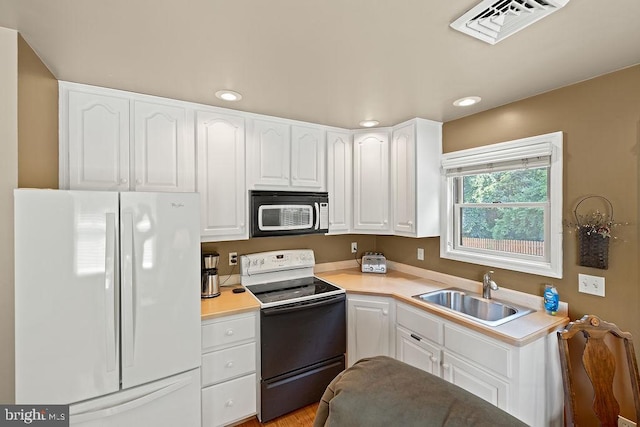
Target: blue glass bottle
x: 551, y: 299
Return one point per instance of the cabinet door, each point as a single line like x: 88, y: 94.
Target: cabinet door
x: 417, y: 351
x: 339, y: 173
x: 307, y: 158
x: 221, y: 176
x: 369, y: 328
x: 403, y: 178
x: 270, y: 151
x: 475, y: 380
x: 231, y: 401
x: 163, y: 148
x: 371, y: 182
x: 98, y: 141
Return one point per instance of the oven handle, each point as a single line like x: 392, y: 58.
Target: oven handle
x: 302, y: 305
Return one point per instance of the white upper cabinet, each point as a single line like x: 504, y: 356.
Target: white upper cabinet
x: 380, y: 181
x: 416, y: 147
x: 164, y: 155
x: 115, y: 140
x: 307, y: 157
x: 339, y: 181
x: 95, y: 130
x: 286, y: 157
x: 221, y: 176
x: 270, y: 147
x: 371, y: 182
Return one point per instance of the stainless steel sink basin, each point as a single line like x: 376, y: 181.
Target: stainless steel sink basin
x: 486, y: 311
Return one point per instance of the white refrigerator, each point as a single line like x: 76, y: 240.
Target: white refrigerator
x: 107, y: 305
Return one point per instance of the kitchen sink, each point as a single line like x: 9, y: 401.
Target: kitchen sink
x: 486, y: 311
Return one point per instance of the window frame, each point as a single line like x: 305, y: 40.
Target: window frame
x: 551, y: 264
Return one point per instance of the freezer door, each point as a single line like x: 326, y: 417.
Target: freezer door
x: 160, y: 285
x: 170, y: 402
x: 66, y: 316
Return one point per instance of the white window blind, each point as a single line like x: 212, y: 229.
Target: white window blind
x: 533, y: 156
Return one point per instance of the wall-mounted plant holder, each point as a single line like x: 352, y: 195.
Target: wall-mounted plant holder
x: 594, y: 233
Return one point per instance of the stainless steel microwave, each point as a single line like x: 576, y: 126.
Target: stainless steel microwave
x: 288, y: 213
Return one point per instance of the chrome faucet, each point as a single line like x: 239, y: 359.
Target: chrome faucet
x: 488, y: 284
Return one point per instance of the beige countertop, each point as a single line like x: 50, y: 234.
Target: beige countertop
x: 228, y: 303
x: 402, y: 286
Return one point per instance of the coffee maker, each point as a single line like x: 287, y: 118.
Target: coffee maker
x: 210, y: 282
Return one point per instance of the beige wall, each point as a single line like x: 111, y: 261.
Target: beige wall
x: 600, y: 119
x: 37, y: 103
x: 8, y: 181
x: 325, y: 248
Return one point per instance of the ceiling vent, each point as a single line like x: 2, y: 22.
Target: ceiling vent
x: 492, y: 21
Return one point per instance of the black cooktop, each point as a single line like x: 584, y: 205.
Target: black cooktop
x: 291, y: 289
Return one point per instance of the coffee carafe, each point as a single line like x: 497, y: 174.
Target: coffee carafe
x: 210, y: 283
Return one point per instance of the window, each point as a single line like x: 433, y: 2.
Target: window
x: 503, y: 205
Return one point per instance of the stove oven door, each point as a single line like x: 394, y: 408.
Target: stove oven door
x: 302, y: 346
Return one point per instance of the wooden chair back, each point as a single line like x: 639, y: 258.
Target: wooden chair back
x: 599, y: 364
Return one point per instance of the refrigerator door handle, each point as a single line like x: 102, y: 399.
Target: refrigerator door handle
x: 131, y: 404
x: 128, y: 327
x: 109, y: 291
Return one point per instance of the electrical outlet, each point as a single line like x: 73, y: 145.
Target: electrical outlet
x: 420, y: 254
x: 354, y: 247
x: 233, y: 258
x: 623, y: 422
x: 593, y: 285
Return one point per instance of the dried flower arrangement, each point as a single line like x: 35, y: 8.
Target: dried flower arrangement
x: 595, y: 222
x: 594, y: 231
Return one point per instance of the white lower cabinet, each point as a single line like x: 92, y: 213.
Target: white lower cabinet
x: 412, y: 349
x: 229, y: 382
x: 524, y: 381
x: 370, y: 321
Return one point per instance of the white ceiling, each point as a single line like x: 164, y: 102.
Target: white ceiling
x: 334, y: 62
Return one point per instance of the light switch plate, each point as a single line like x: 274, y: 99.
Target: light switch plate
x: 420, y: 254
x: 623, y: 422
x: 593, y: 285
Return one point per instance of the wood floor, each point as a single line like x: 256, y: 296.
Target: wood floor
x: 301, y: 417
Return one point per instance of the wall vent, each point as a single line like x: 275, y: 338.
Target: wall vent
x: 492, y: 21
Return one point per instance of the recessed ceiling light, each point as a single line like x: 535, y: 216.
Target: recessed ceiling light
x: 228, y: 95
x: 369, y: 123
x: 466, y: 101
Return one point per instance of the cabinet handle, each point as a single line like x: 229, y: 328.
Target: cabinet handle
x: 230, y: 364
x: 139, y: 181
x: 229, y: 332
x: 123, y: 180
x: 415, y: 337
x: 229, y: 403
x: 385, y: 221
x: 385, y: 312
x: 410, y: 223
x: 434, y: 359
x: 446, y: 366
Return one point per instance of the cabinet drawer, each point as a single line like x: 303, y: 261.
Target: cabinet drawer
x: 228, y: 402
x: 221, y: 365
x: 225, y: 332
x: 481, y: 351
x: 419, y: 322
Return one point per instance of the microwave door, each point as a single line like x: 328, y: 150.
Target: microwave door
x: 285, y: 217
